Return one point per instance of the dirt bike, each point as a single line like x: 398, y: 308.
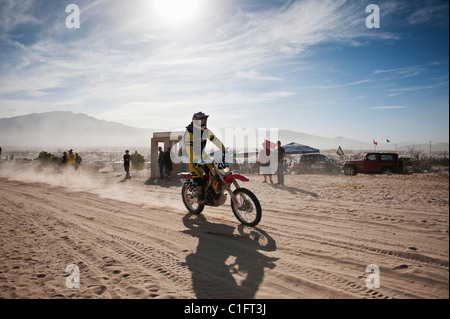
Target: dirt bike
x: 217, y: 184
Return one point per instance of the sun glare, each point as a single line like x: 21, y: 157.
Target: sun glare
x: 177, y: 11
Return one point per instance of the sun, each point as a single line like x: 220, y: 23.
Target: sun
x: 177, y: 11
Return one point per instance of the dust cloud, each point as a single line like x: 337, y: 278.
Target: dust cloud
x: 106, y: 184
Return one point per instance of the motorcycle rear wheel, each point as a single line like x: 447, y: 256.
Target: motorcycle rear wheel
x: 249, y: 211
x: 191, y: 201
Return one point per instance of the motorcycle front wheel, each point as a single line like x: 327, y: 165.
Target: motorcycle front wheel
x: 248, y: 210
x: 190, y: 200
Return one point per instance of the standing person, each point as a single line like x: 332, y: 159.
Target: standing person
x: 64, y: 158
x: 264, y: 160
x: 0, y: 153
x: 168, y: 163
x: 161, y: 162
x: 126, y: 163
x: 71, y: 157
x: 280, y: 171
x: 78, y: 161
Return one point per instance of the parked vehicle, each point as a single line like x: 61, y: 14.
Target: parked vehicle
x: 387, y: 163
x: 117, y: 165
x: 317, y: 163
x: 94, y: 166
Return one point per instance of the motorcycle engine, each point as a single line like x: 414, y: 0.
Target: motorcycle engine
x: 214, y: 199
x: 220, y: 199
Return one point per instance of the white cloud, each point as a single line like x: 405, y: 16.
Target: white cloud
x: 338, y: 85
x: 406, y: 72
x: 14, y: 13
x: 255, y: 75
x: 418, y: 88
x: 430, y: 12
x: 133, y: 60
x: 389, y: 107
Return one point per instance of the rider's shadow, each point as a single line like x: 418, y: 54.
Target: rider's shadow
x: 227, y: 264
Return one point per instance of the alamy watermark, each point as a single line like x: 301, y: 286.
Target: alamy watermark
x: 247, y: 144
x: 73, y: 19
x: 73, y: 279
x: 373, y: 19
x: 373, y: 279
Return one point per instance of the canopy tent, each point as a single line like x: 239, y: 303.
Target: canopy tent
x: 247, y: 152
x: 295, y: 148
x: 217, y: 155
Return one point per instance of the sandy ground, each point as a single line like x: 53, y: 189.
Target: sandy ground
x: 133, y: 239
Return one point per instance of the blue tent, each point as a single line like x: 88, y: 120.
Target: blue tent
x: 295, y: 148
x: 217, y: 155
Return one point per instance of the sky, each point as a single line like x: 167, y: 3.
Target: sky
x: 310, y: 66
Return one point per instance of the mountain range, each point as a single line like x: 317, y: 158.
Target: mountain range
x: 69, y: 130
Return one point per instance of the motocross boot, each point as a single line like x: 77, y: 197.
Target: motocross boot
x: 198, y: 191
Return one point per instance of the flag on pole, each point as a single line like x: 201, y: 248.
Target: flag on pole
x: 387, y: 140
x: 374, y: 142
x: 339, y: 151
x: 270, y: 145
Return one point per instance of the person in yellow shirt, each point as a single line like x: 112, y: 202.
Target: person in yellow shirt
x: 71, y: 158
x: 195, y: 138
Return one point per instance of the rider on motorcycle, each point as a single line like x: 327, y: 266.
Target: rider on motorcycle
x: 195, y: 139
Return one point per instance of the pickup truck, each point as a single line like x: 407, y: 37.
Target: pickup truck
x: 386, y: 163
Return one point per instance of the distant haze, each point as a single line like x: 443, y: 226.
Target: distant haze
x: 66, y: 129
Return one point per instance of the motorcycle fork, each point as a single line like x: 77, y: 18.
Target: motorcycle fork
x: 230, y: 192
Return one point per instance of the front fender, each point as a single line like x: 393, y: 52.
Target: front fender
x: 229, y: 178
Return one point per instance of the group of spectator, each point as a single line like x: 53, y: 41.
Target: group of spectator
x: 264, y: 160
x: 8, y: 158
x: 71, y: 159
x: 165, y: 163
